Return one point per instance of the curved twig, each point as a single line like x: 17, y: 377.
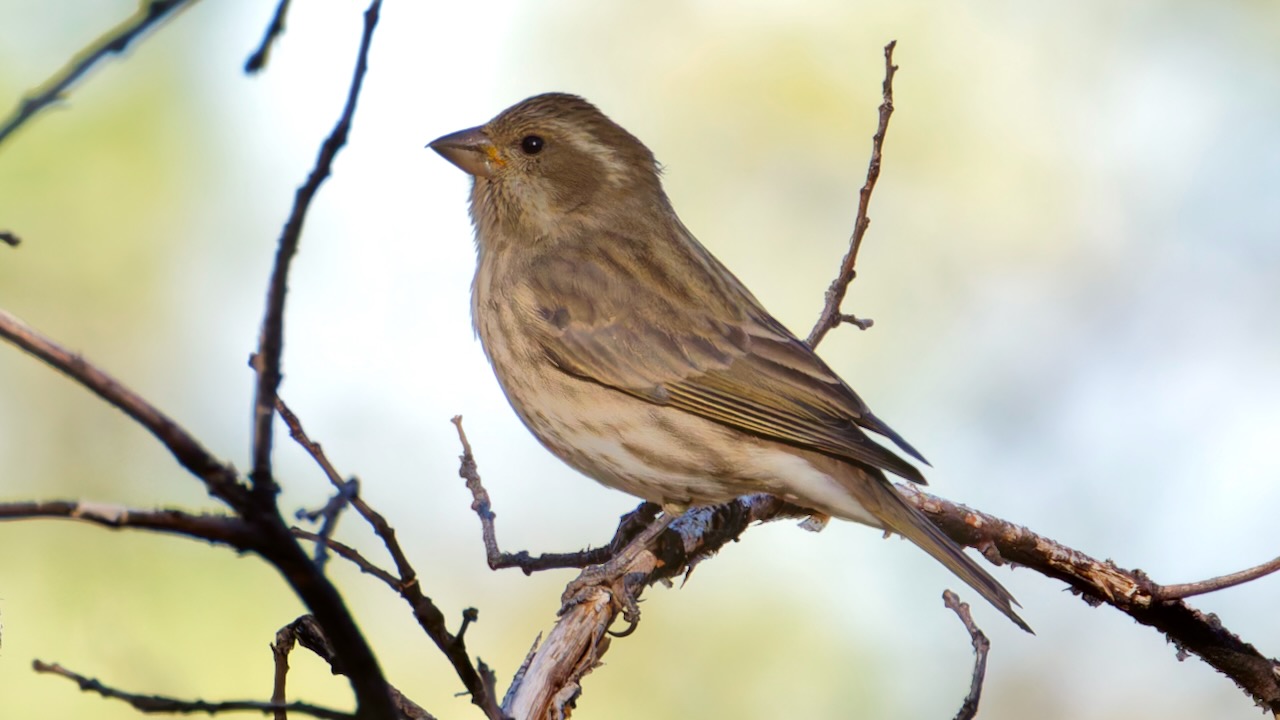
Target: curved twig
x: 831, y: 316
x: 160, y: 704
x: 271, y: 339
x: 981, y: 646
x: 1222, y: 582
x: 115, y: 40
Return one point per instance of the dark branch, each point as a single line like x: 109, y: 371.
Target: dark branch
x: 220, y: 478
x: 352, y: 555
x: 429, y: 617
x: 1129, y: 591
x: 222, y: 529
x: 548, y: 680
x: 258, y: 59
x: 981, y: 646
x: 432, y: 621
x: 831, y: 315
x: 116, y: 40
x: 328, y: 515
x: 307, y: 632
x: 498, y: 559
x: 1186, y: 590
x: 271, y: 340
x: 380, y: 526
x: 280, y: 649
x: 9, y: 238
x: 159, y: 704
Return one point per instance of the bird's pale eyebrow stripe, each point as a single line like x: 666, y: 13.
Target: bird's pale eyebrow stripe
x: 614, y: 166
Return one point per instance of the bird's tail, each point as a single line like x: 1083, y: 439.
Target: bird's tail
x: 879, y: 497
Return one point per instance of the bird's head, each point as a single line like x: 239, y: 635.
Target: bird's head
x: 552, y: 160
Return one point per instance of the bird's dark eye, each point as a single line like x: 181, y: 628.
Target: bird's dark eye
x: 531, y: 144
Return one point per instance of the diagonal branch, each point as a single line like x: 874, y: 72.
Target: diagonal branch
x: 308, y: 633
x: 156, y: 704
x: 225, y: 529
x: 264, y: 530
x: 271, y: 339
x: 425, y: 611
x: 380, y: 526
x: 981, y: 646
x: 497, y: 559
x: 831, y: 316
x: 258, y: 60
x: 1222, y: 582
x: 1129, y: 591
x: 114, y: 41
x: 220, y: 478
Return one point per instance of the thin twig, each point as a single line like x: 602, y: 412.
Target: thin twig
x: 159, y: 704
x: 258, y: 59
x: 1186, y: 590
x: 578, y: 641
x: 1129, y: 591
x: 223, y: 529
x: 219, y: 477
x: 116, y: 40
x: 981, y: 646
x: 352, y: 555
x: 328, y: 515
x: 313, y: 448
x: 263, y: 530
x: 380, y: 526
x: 271, y: 340
x: 280, y: 649
x: 428, y: 615
x: 831, y: 315
x: 529, y: 564
x: 307, y: 632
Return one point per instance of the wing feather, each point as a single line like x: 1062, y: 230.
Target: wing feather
x: 726, y: 359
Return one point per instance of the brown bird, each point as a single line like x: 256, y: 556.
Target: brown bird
x: 637, y: 358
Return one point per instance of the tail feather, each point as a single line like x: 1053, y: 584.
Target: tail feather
x: 880, y: 498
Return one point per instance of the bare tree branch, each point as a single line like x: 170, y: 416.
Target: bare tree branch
x: 271, y: 340
x: 353, y: 556
x: 263, y: 532
x: 258, y: 60
x: 1186, y: 590
x: 380, y: 526
x: 114, y: 41
x: 221, y: 479
x: 308, y: 633
x: 328, y: 517
x: 831, y: 316
x: 223, y: 529
x: 497, y: 559
x: 154, y: 704
x: 1129, y: 591
x: 981, y: 646
x: 280, y: 649
x: 549, y: 681
x: 428, y: 615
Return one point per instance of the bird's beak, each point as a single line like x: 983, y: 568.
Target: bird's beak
x: 471, y: 150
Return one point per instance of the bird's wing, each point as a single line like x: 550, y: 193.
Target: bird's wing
x: 722, y: 358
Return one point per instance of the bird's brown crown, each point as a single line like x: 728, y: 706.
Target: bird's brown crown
x: 560, y: 118
x: 558, y: 162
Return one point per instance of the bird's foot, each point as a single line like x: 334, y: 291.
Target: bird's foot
x: 617, y: 567
x: 816, y: 522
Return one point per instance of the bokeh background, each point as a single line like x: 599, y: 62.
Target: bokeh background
x: 1073, y: 265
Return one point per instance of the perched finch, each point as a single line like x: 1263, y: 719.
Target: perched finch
x: 637, y: 358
